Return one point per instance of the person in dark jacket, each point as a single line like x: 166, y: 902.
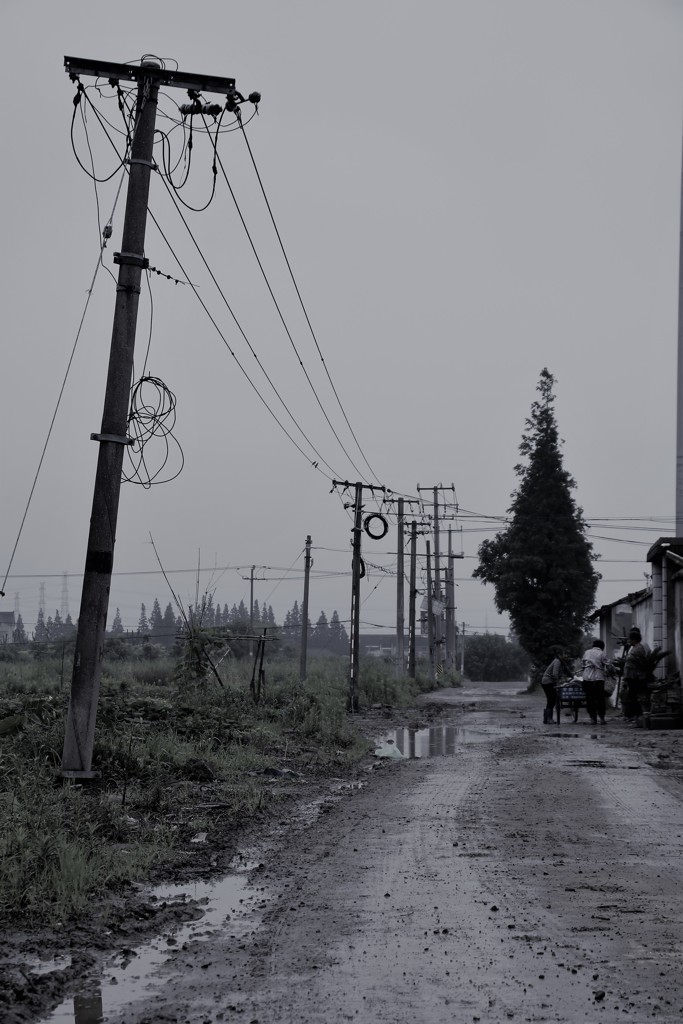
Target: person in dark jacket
x: 635, y: 697
x: 557, y: 671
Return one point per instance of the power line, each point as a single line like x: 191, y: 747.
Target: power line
x: 244, y: 336
x: 303, y: 307
x: 213, y: 321
x: 243, y: 371
x: 282, y: 319
x: 99, y: 263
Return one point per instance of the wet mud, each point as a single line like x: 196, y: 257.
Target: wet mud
x: 492, y: 869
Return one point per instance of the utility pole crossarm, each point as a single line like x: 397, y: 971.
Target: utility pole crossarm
x: 162, y: 76
x: 149, y: 76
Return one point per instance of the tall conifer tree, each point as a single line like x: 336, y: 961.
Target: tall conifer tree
x: 156, y: 620
x: 168, y: 622
x: 143, y: 624
x: 542, y: 564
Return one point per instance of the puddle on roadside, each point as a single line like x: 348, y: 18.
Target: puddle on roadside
x: 38, y: 967
x: 227, y: 903
x: 435, y: 741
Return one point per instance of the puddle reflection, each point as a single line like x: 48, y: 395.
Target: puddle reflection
x: 228, y: 903
x: 88, y: 1008
x: 436, y: 741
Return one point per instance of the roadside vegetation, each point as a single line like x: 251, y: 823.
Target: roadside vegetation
x: 180, y: 754
x: 542, y: 565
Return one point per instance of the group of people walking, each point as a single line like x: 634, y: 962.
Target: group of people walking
x: 599, y: 673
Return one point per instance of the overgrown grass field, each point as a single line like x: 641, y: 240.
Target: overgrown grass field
x: 177, y: 756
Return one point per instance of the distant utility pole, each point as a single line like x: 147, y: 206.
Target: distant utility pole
x: 679, y: 404
x: 411, y: 599
x: 450, y: 606
x: 357, y: 572
x: 439, y: 631
x: 400, y: 599
x: 92, y: 620
x: 64, y: 606
x: 430, y: 615
x: 356, y: 564
x: 251, y: 610
x: 304, y: 611
x: 462, y: 651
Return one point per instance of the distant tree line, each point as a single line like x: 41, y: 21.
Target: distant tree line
x: 493, y: 659
x: 165, y: 627
x: 331, y: 636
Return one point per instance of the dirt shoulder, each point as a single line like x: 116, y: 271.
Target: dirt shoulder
x: 40, y: 967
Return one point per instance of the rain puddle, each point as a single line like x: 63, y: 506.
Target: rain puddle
x: 38, y: 967
x: 436, y: 741
x: 227, y: 903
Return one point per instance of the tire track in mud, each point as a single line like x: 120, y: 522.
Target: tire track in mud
x: 596, y: 847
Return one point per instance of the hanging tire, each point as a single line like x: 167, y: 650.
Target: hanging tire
x: 384, y: 526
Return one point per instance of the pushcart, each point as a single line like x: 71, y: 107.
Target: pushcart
x: 573, y: 696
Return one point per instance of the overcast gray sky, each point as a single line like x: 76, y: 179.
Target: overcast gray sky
x: 467, y: 190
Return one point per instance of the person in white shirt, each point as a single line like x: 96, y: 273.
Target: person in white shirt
x: 596, y: 667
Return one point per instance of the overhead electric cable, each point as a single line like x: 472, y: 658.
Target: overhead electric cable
x: 59, y: 397
x: 284, y: 322
x: 235, y: 357
x: 241, y: 330
x: 301, y: 301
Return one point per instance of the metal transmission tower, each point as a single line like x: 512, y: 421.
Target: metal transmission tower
x: 41, y: 599
x: 85, y: 683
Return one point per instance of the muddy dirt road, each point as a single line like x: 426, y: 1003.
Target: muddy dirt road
x: 512, y: 871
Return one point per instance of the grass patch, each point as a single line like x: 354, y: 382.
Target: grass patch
x: 175, y: 758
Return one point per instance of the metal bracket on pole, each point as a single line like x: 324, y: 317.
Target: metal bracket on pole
x: 112, y: 437
x: 145, y: 163
x: 131, y: 258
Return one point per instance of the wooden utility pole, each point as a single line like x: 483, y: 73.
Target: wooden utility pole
x: 92, y: 620
x: 439, y: 632
x: 251, y: 611
x: 679, y: 389
x: 450, y: 606
x: 411, y: 599
x: 304, y: 611
x: 462, y: 652
x: 438, y: 618
x: 356, y: 564
x: 358, y: 571
x: 400, y: 599
x: 430, y: 615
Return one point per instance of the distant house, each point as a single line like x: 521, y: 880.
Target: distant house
x: 383, y: 645
x: 657, y: 611
x: 7, y: 625
x: 614, y: 620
